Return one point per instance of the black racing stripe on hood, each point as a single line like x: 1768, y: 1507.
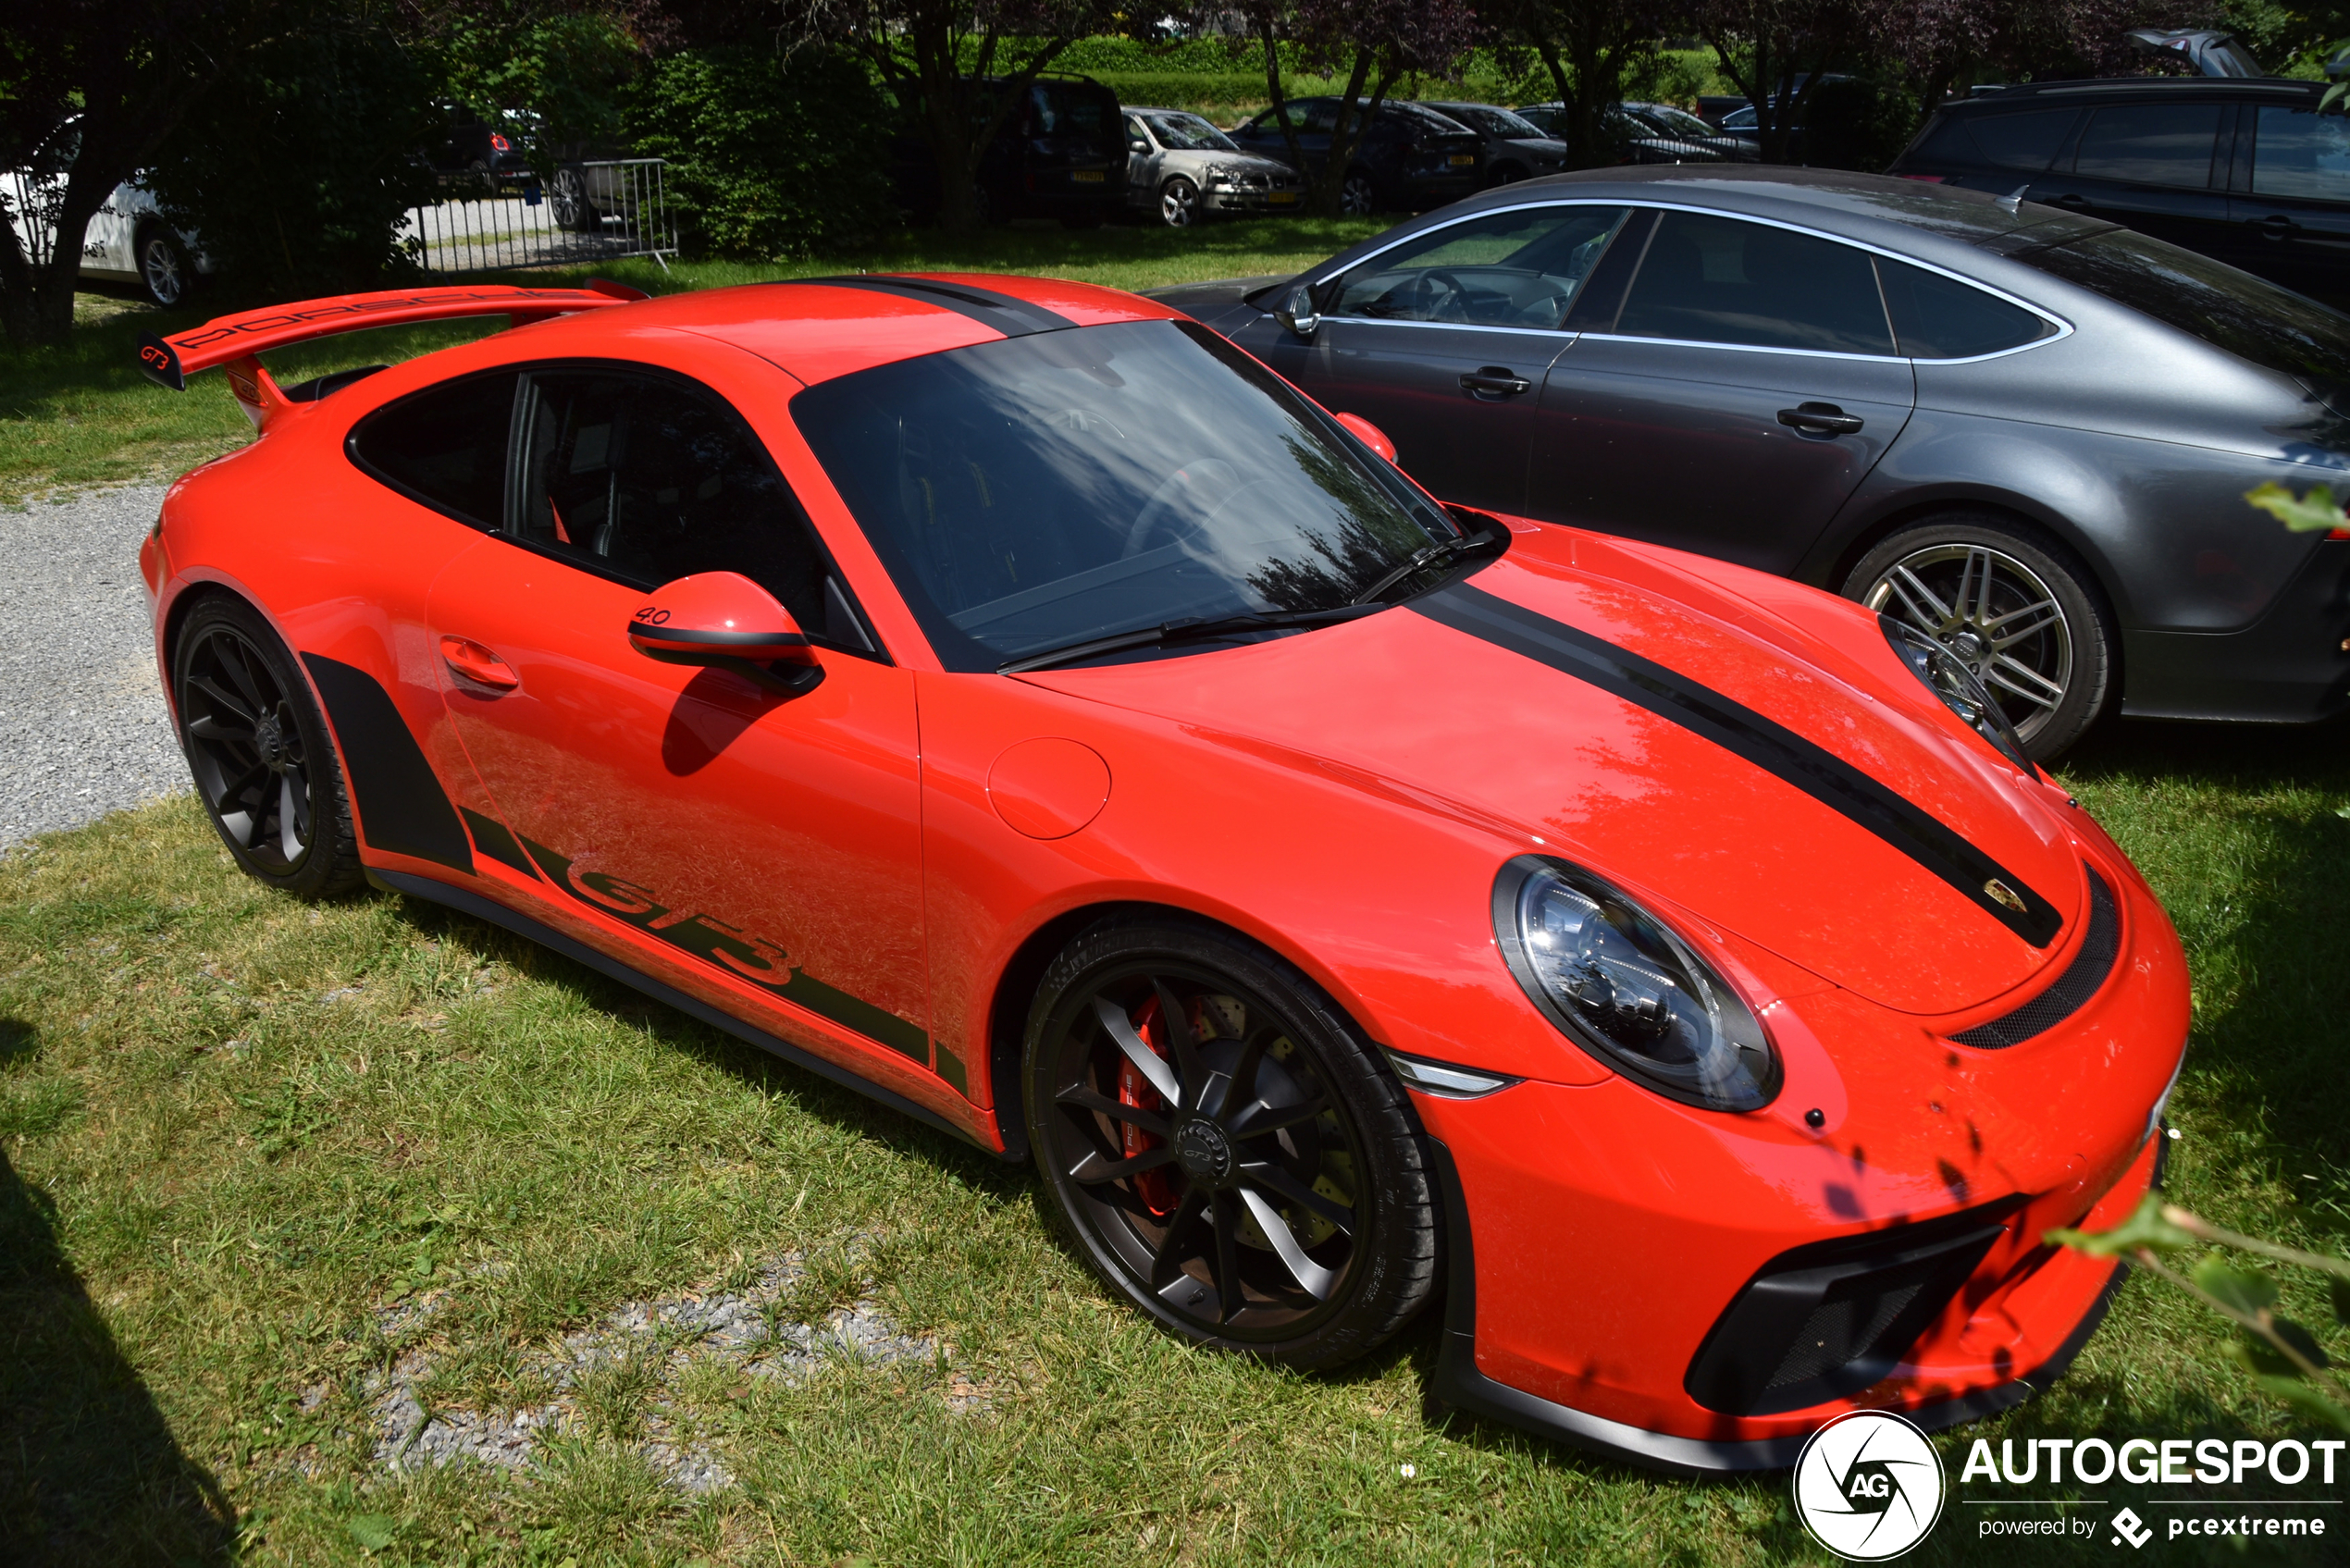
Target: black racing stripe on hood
x: 1012, y: 318
x: 1771, y: 746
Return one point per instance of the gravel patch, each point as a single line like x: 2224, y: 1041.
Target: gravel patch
x: 663, y: 1338
x: 82, y: 720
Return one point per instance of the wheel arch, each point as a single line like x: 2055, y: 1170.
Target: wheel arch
x: 1830, y: 565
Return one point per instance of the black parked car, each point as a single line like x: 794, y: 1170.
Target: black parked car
x: 1515, y: 149
x: 2026, y: 432
x: 1411, y: 159
x: 2246, y: 171
x: 488, y: 154
x: 1061, y: 153
x: 1653, y: 133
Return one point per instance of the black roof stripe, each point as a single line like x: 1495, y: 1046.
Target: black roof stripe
x: 1012, y: 318
x: 1770, y: 745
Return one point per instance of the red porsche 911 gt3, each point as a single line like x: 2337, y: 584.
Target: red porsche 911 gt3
x: 1009, y: 699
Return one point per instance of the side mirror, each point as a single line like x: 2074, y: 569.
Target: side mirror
x: 1296, y: 312
x: 1138, y: 145
x: 1370, y: 435
x: 724, y: 620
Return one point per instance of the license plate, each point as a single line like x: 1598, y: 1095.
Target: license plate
x: 1463, y: 160
x: 1087, y: 176
x: 1279, y: 198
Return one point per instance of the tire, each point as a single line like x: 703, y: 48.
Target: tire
x: 1179, y: 204
x: 572, y: 209
x: 166, y: 275
x: 1359, y: 197
x: 264, y: 764
x: 1325, y: 1221
x: 2014, y: 604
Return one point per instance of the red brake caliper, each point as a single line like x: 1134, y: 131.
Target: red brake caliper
x: 1156, y: 1188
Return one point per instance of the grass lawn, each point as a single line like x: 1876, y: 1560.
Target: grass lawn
x: 82, y: 413
x: 267, y: 1171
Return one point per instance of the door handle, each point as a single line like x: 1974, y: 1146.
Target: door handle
x: 1495, y: 380
x: 2072, y: 199
x: 1826, y: 418
x: 477, y: 664
x: 2276, y: 225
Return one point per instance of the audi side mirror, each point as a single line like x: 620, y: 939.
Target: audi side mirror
x: 725, y: 621
x: 1296, y: 312
x: 1370, y: 435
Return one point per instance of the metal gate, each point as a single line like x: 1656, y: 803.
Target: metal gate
x: 591, y: 211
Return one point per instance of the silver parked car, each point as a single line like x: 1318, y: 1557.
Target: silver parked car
x: 1183, y: 168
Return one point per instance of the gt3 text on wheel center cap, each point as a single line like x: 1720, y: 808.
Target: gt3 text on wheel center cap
x: 1205, y: 1153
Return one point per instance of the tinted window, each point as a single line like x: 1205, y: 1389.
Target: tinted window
x: 1038, y: 491
x: 2247, y: 317
x: 2300, y: 153
x: 1512, y: 269
x: 2151, y: 143
x: 646, y: 481
x: 1493, y: 122
x: 1720, y: 280
x: 2027, y: 141
x: 1058, y: 108
x: 1938, y: 317
x: 446, y: 448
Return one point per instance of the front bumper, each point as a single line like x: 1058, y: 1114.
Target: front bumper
x: 1239, y: 199
x: 1612, y: 1254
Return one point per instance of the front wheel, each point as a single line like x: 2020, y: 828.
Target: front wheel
x: 1231, y: 1153
x: 2015, y: 605
x: 1179, y: 204
x: 264, y: 764
x: 1359, y: 197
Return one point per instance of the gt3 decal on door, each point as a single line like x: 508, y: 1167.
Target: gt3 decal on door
x: 737, y: 953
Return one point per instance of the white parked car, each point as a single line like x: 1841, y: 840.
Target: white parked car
x: 127, y: 241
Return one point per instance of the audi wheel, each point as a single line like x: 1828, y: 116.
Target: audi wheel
x: 1232, y: 1157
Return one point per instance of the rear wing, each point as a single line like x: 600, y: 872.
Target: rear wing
x: 235, y: 341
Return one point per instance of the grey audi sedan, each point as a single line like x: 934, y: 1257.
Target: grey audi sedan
x: 2026, y: 432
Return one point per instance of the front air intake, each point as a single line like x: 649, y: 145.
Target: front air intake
x: 2078, y: 981
x: 1831, y: 1319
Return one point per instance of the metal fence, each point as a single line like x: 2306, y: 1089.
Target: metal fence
x: 592, y: 212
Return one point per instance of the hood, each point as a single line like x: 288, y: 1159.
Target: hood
x: 1759, y: 762
x: 1211, y: 302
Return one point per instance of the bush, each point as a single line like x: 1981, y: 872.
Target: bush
x: 767, y: 157
x: 296, y: 172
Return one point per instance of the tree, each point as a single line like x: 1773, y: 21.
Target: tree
x: 959, y: 67
x: 1945, y: 44
x: 1775, y: 52
x: 88, y: 91
x: 1597, y: 52
x: 1373, y: 42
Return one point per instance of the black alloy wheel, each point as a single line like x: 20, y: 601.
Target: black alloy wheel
x: 264, y: 764
x: 1359, y: 197
x: 164, y: 268
x: 2015, y: 605
x: 1179, y: 204
x: 1231, y: 1155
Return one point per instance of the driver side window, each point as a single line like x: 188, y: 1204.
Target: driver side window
x: 646, y: 481
x: 1518, y: 268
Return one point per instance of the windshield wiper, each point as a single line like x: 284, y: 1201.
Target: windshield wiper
x: 1443, y: 552
x: 1169, y: 632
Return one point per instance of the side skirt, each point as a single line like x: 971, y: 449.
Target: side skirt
x: 547, y: 937
x: 1457, y: 1381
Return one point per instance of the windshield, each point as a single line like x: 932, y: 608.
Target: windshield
x: 1044, y: 491
x: 1493, y: 122
x: 2248, y: 317
x: 1680, y: 122
x: 1189, y: 133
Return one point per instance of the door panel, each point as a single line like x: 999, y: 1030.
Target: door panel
x: 2148, y: 166
x: 774, y: 840
x: 1444, y: 396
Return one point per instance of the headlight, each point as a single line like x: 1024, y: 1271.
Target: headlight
x: 1624, y: 987
x: 1947, y: 676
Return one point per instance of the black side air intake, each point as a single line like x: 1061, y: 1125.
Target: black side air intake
x: 1833, y: 1317
x: 2078, y: 981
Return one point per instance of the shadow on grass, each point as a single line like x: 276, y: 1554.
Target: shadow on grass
x: 90, y: 1472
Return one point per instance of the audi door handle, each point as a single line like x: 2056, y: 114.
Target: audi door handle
x: 477, y: 664
x: 1495, y: 380
x: 1826, y: 418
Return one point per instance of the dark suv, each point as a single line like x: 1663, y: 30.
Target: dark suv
x: 1410, y: 160
x: 2244, y: 171
x: 1061, y: 153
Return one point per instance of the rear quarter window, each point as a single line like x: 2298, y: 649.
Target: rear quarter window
x: 1938, y: 317
x: 445, y: 446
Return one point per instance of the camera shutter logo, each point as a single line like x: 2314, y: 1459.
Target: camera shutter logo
x: 1869, y: 1486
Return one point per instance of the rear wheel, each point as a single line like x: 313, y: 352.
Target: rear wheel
x: 1359, y: 197
x: 2015, y: 605
x: 569, y: 198
x: 264, y: 764
x: 164, y: 268
x: 1229, y: 1151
